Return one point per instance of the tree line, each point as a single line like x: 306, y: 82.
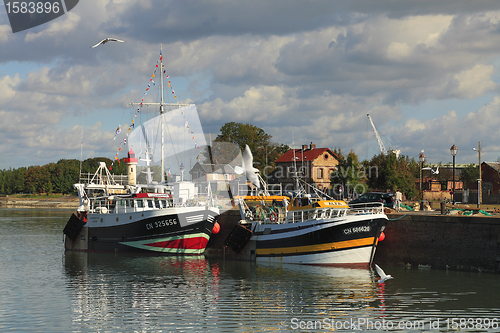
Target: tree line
x: 53, y: 177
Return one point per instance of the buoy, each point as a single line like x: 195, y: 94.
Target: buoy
x: 273, y: 217
x: 381, y: 237
x: 216, y: 228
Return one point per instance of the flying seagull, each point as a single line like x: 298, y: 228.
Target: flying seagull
x: 248, y: 169
x: 105, y: 40
x: 382, y: 274
x: 434, y: 172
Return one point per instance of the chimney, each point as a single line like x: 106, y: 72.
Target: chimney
x: 313, y: 146
x: 304, y: 147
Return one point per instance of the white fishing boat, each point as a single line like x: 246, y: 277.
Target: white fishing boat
x: 306, y: 229
x: 155, y: 217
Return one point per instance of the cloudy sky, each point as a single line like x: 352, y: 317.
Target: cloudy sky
x: 304, y: 71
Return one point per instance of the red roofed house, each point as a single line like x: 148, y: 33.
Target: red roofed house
x: 314, y: 165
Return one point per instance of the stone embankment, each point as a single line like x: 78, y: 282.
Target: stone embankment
x: 66, y: 202
x: 467, y: 243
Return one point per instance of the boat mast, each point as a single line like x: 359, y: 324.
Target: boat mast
x: 162, y: 111
x: 161, y: 120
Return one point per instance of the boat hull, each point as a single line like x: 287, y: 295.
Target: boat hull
x: 179, y: 231
x: 348, y: 241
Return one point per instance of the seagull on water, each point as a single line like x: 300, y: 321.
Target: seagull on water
x: 382, y: 274
x: 248, y: 169
x: 105, y: 40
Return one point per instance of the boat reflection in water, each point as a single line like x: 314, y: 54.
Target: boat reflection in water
x: 195, y: 294
x: 328, y: 290
x: 150, y: 291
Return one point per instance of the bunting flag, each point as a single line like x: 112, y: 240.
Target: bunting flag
x: 118, y: 130
x: 160, y: 65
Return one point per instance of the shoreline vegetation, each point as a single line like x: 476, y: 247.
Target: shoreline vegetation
x: 39, y: 201
x: 67, y: 201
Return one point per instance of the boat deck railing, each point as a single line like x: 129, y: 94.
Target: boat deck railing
x: 135, y: 205
x: 366, y: 208
x: 279, y: 215
x: 86, y: 178
x: 295, y: 216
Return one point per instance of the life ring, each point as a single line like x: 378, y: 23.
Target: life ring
x: 273, y: 217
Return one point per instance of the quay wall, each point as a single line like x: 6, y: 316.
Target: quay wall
x: 470, y: 243
x: 467, y: 243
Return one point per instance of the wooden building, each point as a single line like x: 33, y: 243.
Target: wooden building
x: 313, y: 165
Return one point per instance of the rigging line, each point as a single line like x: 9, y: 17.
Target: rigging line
x: 172, y: 143
x: 81, y: 149
x: 398, y: 218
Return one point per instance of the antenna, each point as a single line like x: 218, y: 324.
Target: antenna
x: 81, y: 150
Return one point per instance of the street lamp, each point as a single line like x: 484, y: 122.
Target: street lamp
x: 479, y: 181
x: 421, y: 158
x: 453, y: 151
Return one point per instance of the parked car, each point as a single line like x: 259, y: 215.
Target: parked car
x: 371, y: 197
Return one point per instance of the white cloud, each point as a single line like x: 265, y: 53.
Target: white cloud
x: 5, y: 32
x: 312, y: 69
x: 256, y: 104
x: 7, y: 88
x: 475, y: 82
x: 62, y: 26
x: 69, y: 82
x: 397, y: 50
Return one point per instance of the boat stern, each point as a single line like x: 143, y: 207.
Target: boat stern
x: 76, y: 233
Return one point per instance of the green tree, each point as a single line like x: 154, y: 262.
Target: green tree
x: 35, y: 179
x: 387, y: 172
x: 244, y: 134
x: 349, y: 173
x: 17, y: 180
x: 240, y: 134
x: 63, y: 175
x: 469, y: 175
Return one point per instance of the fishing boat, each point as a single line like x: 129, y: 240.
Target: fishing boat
x: 155, y: 217
x: 307, y: 229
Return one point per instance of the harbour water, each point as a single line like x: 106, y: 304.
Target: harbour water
x: 45, y: 289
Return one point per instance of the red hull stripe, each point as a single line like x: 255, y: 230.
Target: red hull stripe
x: 183, y: 243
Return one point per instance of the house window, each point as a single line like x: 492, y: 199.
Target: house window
x: 326, y: 156
x: 320, y: 173
x: 487, y: 187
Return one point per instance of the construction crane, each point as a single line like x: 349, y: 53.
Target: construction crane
x: 379, y: 140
